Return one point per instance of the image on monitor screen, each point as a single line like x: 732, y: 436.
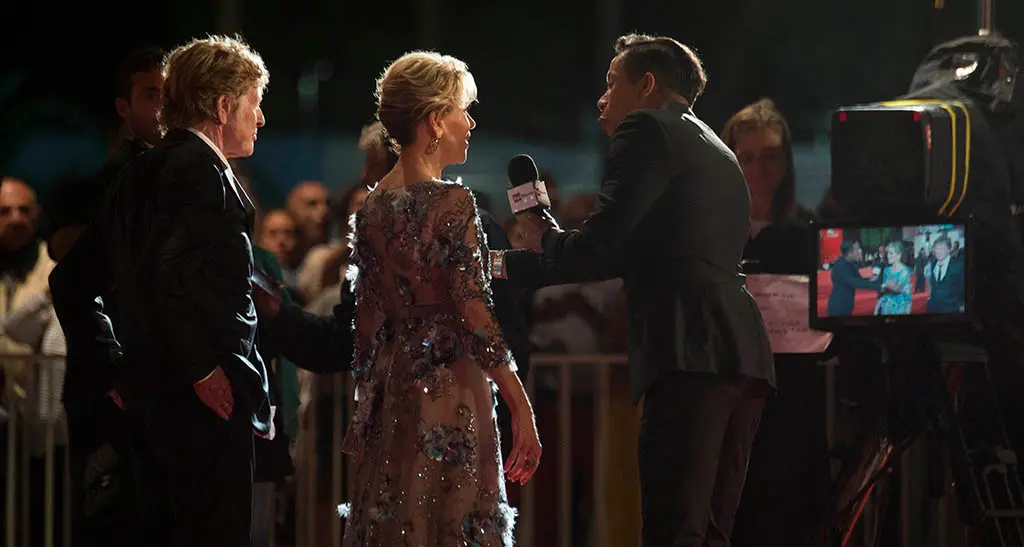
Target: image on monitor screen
x: 891, y: 271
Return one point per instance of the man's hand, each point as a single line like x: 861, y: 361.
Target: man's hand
x: 273, y: 430
x: 533, y: 227
x: 215, y: 392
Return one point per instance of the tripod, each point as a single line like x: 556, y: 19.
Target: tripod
x: 930, y: 383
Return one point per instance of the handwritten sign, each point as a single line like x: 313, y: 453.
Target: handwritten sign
x: 784, y: 301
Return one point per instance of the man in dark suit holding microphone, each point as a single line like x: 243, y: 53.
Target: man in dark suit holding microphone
x: 672, y: 221
x: 846, y: 280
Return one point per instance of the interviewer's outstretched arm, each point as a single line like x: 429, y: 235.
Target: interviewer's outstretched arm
x: 638, y: 172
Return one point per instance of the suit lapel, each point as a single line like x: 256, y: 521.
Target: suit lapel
x: 227, y: 175
x: 243, y: 199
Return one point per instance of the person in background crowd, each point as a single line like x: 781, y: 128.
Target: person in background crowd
x: 137, y: 100
x: 779, y: 226
x: 920, y: 264
x: 323, y: 270
x: 278, y: 233
x: 788, y: 474
x: 104, y: 507
x: 27, y: 320
x: 309, y: 205
x: 320, y: 272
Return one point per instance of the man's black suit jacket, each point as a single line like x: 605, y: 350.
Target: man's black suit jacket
x: 77, y: 202
x: 947, y: 295
x: 92, y: 348
x: 174, y: 238
x: 672, y: 221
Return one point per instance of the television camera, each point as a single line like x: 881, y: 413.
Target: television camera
x: 920, y: 257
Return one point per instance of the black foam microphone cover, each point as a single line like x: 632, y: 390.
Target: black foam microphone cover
x: 521, y: 170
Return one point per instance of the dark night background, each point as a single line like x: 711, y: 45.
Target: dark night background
x: 539, y: 65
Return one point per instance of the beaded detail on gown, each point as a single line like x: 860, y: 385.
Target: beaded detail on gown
x: 424, y: 440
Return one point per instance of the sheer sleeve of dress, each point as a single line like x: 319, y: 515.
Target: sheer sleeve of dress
x: 365, y: 320
x: 458, y: 229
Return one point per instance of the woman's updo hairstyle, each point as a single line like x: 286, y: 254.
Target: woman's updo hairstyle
x: 417, y: 85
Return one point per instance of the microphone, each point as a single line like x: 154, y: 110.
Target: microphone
x: 526, y: 191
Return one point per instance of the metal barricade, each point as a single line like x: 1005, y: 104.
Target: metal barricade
x: 599, y: 367
x: 596, y: 368
x: 310, y: 530
x: 595, y: 371
x: 28, y: 409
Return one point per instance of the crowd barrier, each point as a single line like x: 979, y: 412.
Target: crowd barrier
x: 612, y: 505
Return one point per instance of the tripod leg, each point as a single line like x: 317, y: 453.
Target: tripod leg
x: 883, y: 497
x: 855, y: 486
x: 984, y: 467
x: 968, y: 494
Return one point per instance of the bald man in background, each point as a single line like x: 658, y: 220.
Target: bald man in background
x: 19, y: 213
x: 24, y: 268
x: 27, y: 323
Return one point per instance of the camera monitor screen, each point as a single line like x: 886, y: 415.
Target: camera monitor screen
x: 870, y: 275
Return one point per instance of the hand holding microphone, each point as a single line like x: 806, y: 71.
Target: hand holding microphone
x: 529, y: 201
x: 528, y: 198
x: 526, y: 191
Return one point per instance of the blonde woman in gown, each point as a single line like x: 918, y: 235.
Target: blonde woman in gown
x: 429, y: 352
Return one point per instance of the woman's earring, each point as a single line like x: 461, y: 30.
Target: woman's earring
x: 432, y: 147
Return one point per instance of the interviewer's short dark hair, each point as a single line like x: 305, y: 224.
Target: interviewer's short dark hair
x: 674, y: 65
x: 846, y: 247
x: 942, y: 240
x: 140, y: 60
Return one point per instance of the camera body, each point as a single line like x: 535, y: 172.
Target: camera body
x: 902, y: 159
x: 945, y: 155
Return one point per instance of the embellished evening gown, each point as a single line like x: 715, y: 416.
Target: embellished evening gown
x: 424, y: 439
x: 900, y: 301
